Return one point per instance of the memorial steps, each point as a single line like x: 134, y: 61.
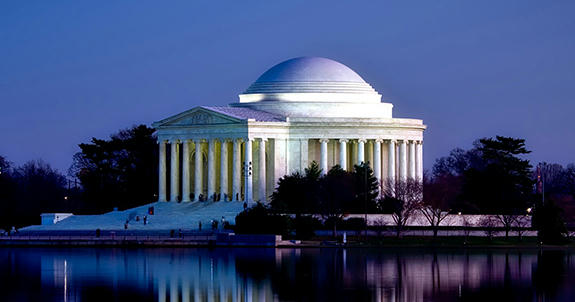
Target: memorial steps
x: 166, y: 216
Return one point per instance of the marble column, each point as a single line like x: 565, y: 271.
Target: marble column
x: 323, y: 156
x: 369, y: 152
x: 236, y: 170
x: 174, y: 289
x: 391, y: 163
x: 412, y: 168
x: 419, y: 160
x: 343, y: 153
x: 403, y: 160
x: 211, y: 169
x: 162, y: 171
x: 248, y: 171
x: 185, y: 290
x: 162, y: 291
x: 360, y: 151
x: 262, y: 171
x: 186, y: 185
x: 198, y: 185
x: 175, y: 171
x: 377, y: 160
x: 224, y: 192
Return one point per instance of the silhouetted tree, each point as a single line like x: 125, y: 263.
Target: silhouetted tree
x: 7, y: 194
x: 29, y: 190
x: 259, y: 219
x: 491, y: 178
x: 366, y: 190
x: 298, y: 193
x: 337, y: 191
x: 558, y: 184
x: 121, y: 171
x: 435, y: 205
x: 449, y: 176
x: 549, y: 223
x: 501, y: 183
x: 401, y: 199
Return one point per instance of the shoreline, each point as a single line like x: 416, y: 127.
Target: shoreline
x: 227, y: 240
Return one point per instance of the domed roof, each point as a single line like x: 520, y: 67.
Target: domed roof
x: 310, y: 69
x: 310, y: 79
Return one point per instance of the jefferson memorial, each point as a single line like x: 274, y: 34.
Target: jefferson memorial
x: 301, y: 110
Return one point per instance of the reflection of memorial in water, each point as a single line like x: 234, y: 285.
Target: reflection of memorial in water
x: 410, y: 275
x: 291, y: 274
x: 169, y: 275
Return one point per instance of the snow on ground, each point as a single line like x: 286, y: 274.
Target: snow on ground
x: 167, y: 216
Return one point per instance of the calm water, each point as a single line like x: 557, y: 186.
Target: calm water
x: 253, y: 274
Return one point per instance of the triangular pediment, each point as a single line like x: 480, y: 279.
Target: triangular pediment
x: 197, y: 116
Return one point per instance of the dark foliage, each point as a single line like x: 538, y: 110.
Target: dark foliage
x: 337, y: 192
x: 297, y: 193
x: 259, y: 219
x: 29, y: 190
x: 401, y: 199
x: 501, y: 183
x: 549, y: 223
x: 558, y: 184
x: 119, y: 172
x: 366, y: 190
x: 305, y: 226
x: 437, y: 201
x: 491, y: 178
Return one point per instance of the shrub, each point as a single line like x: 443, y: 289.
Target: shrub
x: 260, y: 220
x: 305, y: 226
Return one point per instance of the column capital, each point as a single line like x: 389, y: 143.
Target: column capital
x: 263, y: 139
x: 344, y: 140
x: 394, y: 141
x: 199, y: 140
x: 174, y: 141
x: 419, y: 142
x: 379, y: 140
x: 324, y: 140
x: 362, y: 140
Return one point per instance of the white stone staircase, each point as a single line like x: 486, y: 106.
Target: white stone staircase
x: 167, y: 216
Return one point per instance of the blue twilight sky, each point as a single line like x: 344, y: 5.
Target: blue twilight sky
x: 72, y: 70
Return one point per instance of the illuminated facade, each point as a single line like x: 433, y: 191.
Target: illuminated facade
x: 301, y: 110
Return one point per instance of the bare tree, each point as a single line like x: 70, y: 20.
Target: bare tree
x: 522, y: 225
x: 380, y: 226
x: 507, y: 221
x: 401, y: 198
x: 436, y: 200
x: 466, y: 226
x: 489, y: 223
x: 434, y: 216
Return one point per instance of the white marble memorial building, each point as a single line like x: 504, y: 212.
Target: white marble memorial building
x: 301, y: 110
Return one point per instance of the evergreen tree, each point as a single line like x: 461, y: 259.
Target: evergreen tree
x: 121, y: 171
x: 366, y: 189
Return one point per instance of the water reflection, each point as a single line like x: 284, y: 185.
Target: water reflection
x: 285, y: 274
